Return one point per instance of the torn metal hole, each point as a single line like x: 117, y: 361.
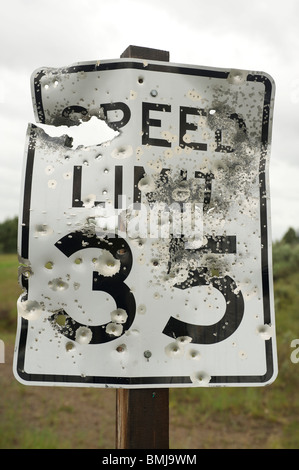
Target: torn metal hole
x: 49, y: 265
x: 60, y: 319
x: 95, y: 131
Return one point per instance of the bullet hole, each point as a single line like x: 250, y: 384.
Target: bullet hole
x: 29, y: 309
x: 242, y: 355
x: 106, y: 264
x: 194, y: 355
x: 140, y: 80
x: 174, y: 350
x: 83, y: 335
x: 121, y: 252
x: 183, y: 340
x: 69, y: 346
x: 125, y: 151
x: 49, y: 169
x: 58, y: 284
x: 114, y: 329
x: 265, y: 331
x: 49, y: 265
x: 139, y: 242
x: 42, y: 230
x: 168, y: 153
x: 119, y: 315
x: 52, y: 184
x: 236, y: 77
x: 147, y: 354
x: 200, y: 378
x: 181, y: 193
x: 147, y: 184
x: 78, y: 261
x: 89, y: 201
x: 121, y: 348
x: 60, y: 319
x: 133, y: 95
x: 25, y: 271
x: 141, y: 309
x: 215, y: 272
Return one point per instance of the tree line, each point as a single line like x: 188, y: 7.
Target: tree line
x: 286, y: 255
x: 8, y: 235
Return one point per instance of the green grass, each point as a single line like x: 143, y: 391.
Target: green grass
x: 9, y: 293
x: 266, y: 417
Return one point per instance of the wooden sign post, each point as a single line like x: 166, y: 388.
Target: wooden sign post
x: 142, y: 415
x: 142, y: 418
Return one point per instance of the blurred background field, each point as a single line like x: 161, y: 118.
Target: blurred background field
x: 232, y: 418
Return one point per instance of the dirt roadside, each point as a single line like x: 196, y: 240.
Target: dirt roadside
x: 85, y: 418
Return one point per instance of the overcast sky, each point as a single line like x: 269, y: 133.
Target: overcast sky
x: 258, y: 35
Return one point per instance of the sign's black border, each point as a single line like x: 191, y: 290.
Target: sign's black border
x: 51, y: 379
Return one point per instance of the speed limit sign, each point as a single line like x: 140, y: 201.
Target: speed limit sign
x: 146, y: 260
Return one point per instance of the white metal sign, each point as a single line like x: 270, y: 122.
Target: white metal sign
x: 146, y: 261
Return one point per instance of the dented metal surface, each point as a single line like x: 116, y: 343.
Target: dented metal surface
x: 146, y: 260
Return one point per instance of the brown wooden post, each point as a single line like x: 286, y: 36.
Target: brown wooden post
x: 142, y: 418
x: 142, y: 415
x: 138, y: 52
